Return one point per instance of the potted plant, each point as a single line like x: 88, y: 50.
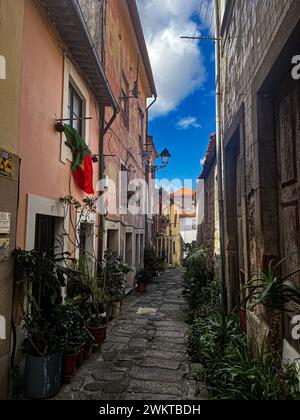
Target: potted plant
x: 45, y: 334
x: 43, y: 346
x: 77, y: 334
x: 97, y: 328
x: 114, y: 271
x: 142, y: 280
x: 70, y: 357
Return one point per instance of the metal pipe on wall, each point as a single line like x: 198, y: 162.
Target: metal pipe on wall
x: 219, y: 144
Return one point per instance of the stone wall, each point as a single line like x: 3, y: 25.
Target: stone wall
x: 255, y: 58
x: 94, y: 13
x: 253, y: 28
x: 206, y: 231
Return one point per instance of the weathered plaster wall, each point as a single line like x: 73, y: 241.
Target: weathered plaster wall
x: 11, y: 16
x: 207, y: 230
x: 42, y: 171
x: 254, y: 39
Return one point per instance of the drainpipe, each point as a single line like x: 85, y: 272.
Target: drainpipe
x: 220, y: 156
x: 147, y: 126
x: 104, y: 127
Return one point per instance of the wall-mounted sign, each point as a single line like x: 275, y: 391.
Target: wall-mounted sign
x: 4, y: 249
x: 5, y: 223
x: 5, y: 163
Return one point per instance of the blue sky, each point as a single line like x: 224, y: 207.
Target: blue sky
x: 184, y: 70
x: 188, y: 146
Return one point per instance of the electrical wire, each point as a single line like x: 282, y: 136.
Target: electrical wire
x: 199, y: 17
x: 206, y: 16
x: 128, y: 151
x: 212, y: 17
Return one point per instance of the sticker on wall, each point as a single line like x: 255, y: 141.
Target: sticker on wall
x: 4, y: 249
x: 5, y: 163
x: 5, y: 223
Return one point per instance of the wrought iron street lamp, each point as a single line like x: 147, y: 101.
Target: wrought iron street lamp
x: 165, y: 158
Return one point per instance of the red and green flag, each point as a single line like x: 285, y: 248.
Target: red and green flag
x: 82, y: 167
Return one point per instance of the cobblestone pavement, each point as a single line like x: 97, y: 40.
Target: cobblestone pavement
x: 144, y: 357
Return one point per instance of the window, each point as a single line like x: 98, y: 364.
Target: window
x: 76, y: 102
x: 141, y: 129
x: 125, y: 101
x: 75, y: 107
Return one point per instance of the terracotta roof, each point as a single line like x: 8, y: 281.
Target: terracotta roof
x: 210, y: 157
x: 184, y: 192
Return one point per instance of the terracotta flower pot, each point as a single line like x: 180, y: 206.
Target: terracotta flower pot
x: 99, y: 333
x: 69, y: 367
x: 141, y: 287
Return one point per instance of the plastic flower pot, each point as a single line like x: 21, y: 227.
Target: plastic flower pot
x: 42, y: 376
x: 69, y: 367
x: 99, y: 333
x: 141, y: 287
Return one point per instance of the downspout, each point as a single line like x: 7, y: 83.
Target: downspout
x: 148, y: 175
x: 102, y: 131
x: 219, y: 144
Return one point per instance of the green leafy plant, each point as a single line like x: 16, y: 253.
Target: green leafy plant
x: 272, y: 290
x: 113, y: 277
x: 143, y: 276
x: 221, y: 347
x: 201, y: 289
x: 76, y: 325
x: 45, y: 273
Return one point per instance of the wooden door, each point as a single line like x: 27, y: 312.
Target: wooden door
x: 45, y: 233
x: 288, y: 151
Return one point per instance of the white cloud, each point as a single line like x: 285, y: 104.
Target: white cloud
x: 188, y: 122
x: 177, y: 64
x: 202, y: 161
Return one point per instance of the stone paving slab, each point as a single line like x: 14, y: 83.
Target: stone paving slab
x: 144, y: 357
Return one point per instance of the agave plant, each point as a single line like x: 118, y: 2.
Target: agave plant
x: 272, y: 290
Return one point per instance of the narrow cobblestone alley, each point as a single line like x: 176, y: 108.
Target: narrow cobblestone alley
x: 144, y: 357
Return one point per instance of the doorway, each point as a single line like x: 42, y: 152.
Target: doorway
x: 287, y: 105
x: 129, y: 258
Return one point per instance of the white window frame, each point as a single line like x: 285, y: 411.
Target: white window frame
x: 91, y: 219
x: 71, y: 76
x: 40, y: 205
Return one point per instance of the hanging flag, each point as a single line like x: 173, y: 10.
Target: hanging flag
x: 82, y: 167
